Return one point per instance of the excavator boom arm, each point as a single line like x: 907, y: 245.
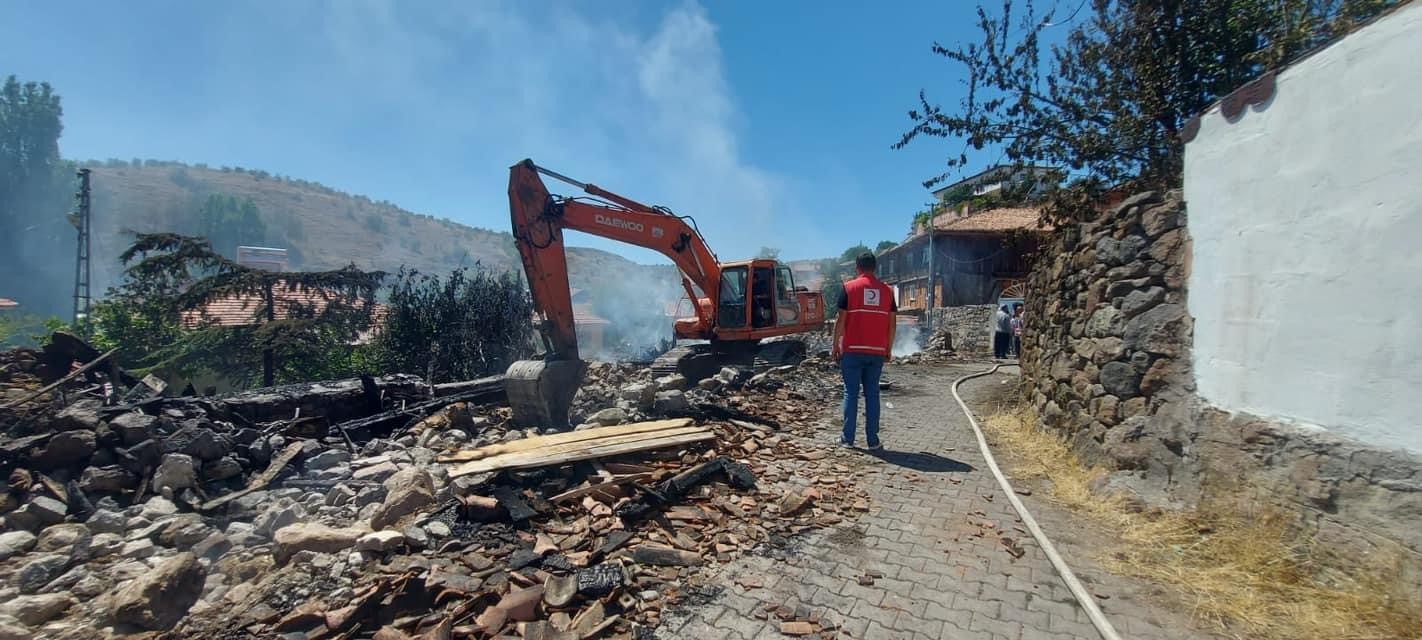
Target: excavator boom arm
x: 538, y: 223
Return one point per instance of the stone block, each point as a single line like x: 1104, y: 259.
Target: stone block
x: 1120, y: 379
x: 176, y: 472
x: 1105, y: 321
x: 14, y: 543
x: 38, y: 609
x: 1140, y: 300
x: 401, y: 501
x: 1107, y: 349
x: 1105, y: 408
x: 314, y: 537
x: 1115, y: 253
x: 158, y: 599
x: 1161, y: 330
x: 134, y: 427
x: 1160, y: 219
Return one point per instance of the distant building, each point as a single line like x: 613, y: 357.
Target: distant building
x: 1034, y: 181
x: 7, y: 304
x: 965, y: 255
x: 264, y: 258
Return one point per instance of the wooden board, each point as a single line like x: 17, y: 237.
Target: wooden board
x: 589, y: 450
x: 259, y: 481
x: 538, y: 442
x: 555, y: 450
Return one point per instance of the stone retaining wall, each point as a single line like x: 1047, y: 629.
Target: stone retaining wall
x: 970, y: 326
x: 1107, y: 360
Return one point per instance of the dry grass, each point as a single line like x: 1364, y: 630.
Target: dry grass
x: 1240, y: 568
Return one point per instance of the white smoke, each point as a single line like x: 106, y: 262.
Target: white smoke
x: 636, y: 302
x: 907, y: 340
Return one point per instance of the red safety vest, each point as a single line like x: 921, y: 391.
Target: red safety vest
x: 868, y: 316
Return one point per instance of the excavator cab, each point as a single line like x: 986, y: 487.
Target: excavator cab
x: 772, y: 300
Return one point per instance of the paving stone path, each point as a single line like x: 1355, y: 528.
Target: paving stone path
x: 935, y: 534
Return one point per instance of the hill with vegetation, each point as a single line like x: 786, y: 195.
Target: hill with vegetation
x: 321, y: 228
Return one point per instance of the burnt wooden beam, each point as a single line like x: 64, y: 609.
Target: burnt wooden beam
x: 673, y: 489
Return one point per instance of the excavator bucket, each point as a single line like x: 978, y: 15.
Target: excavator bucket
x: 541, y: 392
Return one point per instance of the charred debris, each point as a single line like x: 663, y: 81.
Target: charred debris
x: 389, y: 508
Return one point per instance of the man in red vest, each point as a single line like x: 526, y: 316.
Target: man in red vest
x: 863, y: 342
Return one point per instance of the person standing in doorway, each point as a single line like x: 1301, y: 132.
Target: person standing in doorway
x: 1002, y: 333
x: 863, y: 335
x: 1017, y: 331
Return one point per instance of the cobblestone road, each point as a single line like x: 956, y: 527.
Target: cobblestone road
x: 935, y: 535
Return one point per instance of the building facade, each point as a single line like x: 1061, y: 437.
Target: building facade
x: 963, y: 258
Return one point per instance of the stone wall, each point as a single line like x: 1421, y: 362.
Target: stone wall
x: 1106, y: 335
x: 970, y: 326
x: 1107, y: 360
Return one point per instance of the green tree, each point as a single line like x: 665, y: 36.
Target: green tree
x: 854, y: 252
x: 176, y: 275
x: 471, y: 324
x: 35, y: 195
x: 1110, y: 100
x: 834, y: 271
x: 770, y: 253
x: 957, y: 195
x: 884, y: 245
x: 228, y: 223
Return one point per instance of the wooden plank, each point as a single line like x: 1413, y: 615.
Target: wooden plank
x: 455, y: 388
x: 259, y: 481
x: 538, y: 442
x: 571, y: 447
x: 576, y: 451
x: 591, y: 451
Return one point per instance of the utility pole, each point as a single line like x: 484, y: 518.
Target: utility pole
x: 932, y: 215
x: 80, y: 219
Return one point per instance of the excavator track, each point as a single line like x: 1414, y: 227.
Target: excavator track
x: 699, y: 361
x: 780, y: 352
x: 694, y: 362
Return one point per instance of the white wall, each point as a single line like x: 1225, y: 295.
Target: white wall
x: 1306, y: 218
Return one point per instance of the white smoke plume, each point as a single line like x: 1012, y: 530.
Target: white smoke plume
x: 907, y: 340
x: 639, y: 306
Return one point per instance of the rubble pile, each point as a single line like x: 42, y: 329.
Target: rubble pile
x: 24, y: 371
x: 18, y: 374
x: 324, y: 510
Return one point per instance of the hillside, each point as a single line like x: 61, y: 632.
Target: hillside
x: 323, y: 228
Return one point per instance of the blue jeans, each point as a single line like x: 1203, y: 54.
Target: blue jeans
x: 858, y: 371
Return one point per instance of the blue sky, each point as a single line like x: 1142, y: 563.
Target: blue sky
x: 770, y: 122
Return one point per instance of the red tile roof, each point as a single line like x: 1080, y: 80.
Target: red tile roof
x: 994, y: 221
x: 238, y: 311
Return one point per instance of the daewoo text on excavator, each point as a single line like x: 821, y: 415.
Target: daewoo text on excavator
x: 737, y: 304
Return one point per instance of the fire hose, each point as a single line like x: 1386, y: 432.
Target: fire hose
x: 1083, y: 597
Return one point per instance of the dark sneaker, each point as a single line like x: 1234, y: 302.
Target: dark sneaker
x: 846, y: 445
x: 876, y: 447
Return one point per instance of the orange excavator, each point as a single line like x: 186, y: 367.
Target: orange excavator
x: 737, y: 304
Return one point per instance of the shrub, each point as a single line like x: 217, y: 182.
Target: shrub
x: 468, y: 325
